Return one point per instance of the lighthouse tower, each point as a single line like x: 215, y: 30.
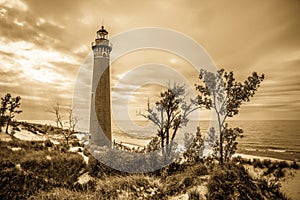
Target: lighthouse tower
x: 100, y: 94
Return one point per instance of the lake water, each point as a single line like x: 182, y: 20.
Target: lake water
x: 270, y: 138
x: 274, y: 138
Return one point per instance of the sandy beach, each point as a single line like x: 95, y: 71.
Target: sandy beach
x: 251, y: 157
x: 130, y: 141
x: 290, y: 183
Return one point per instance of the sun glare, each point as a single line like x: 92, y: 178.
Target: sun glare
x: 35, y: 64
x: 17, y: 4
x: 173, y: 60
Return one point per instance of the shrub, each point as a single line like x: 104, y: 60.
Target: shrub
x: 5, y: 153
x: 62, y: 170
x: 270, y: 170
x: 230, y: 181
x: 283, y: 164
x: 75, y: 143
x: 98, y: 169
x: 15, y: 184
x: 271, y: 189
x: 129, y: 187
x: 199, y: 170
x: 295, y: 165
x: 89, y: 186
x: 279, y: 173
x: 187, y: 181
x: 86, y: 152
x: 173, y: 185
x: 233, y: 181
x: 257, y: 163
x: 63, y: 194
x: 48, y: 143
x: 16, y: 128
x: 174, y: 168
x: 34, y: 145
x: 267, y: 163
x: 6, y: 164
x: 194, y: 195
x: 277, y: 169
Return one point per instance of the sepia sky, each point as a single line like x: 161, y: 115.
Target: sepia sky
x: 43, y: 43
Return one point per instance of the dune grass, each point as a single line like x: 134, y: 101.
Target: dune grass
x: 42, y: 170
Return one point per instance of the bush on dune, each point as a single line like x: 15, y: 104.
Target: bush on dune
x: 6, y: 164
x: 63, y: 169
x: 26, y: 145
x: 63, y: 193
x: 277, y: 169
x: 194, y: 195
x: 16, y: 184
x: 271, y: 189
x: 113, y: 187
x: 258, y: 163
x: 233, y: 182
x: 188, y: 177
x: 295, y: 165
x: 33, y: 169
x: 97, y: 169
x: 129, y: 187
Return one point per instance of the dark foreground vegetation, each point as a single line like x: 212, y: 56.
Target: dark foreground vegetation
x: 43, y: 170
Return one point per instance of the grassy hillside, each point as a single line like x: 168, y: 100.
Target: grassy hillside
x: 44, y: 170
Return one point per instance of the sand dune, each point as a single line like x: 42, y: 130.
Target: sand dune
x: 29, y: 136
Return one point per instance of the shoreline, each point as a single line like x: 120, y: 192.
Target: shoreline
x: 251, y: 157
x: 273, y: 155
x: 134, y: 142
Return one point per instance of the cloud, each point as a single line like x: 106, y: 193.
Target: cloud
x: 16, y: 4
x: 43, y: 43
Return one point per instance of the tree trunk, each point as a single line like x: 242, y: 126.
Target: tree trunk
x: 221, y: 148
x: 220, y: 128
x: 67, y: 136
x: 162, y: 143
x: 172, y: 139
x: 167, y: 143
x: 7, y: 125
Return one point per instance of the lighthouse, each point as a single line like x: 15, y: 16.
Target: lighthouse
x: 100, y: 112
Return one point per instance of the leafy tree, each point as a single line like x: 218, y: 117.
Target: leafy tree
x: 229, y: 141
x: 222, y: 93
x: 169, y: 114
x: 3, y: 109
x: 193, y: 146
x: 8, y: 109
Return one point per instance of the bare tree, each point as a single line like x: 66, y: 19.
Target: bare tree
x: 67, y: 126
x: 70, y: 125
x: 56, y: 110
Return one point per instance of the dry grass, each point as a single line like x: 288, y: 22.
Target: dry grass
x: 43, y: 170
